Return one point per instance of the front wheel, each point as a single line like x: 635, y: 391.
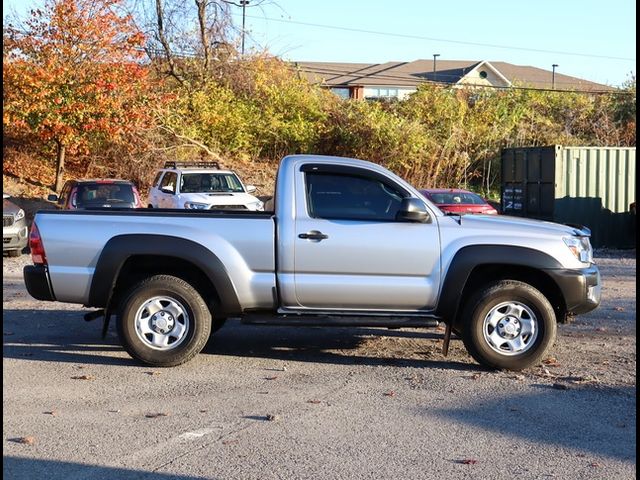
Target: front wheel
x: 163, y: 321
x: 508, y: 325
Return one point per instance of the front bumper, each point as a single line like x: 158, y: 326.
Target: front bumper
x: 581, y: 288
x: 36, y: 279
x: 15, y: 237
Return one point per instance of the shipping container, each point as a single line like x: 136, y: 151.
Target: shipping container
x: 591, y: 186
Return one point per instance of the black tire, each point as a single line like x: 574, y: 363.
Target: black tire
x: 149, y: 206
x: 489, y: 299
x: 14, y: 253
x: 195, y: 319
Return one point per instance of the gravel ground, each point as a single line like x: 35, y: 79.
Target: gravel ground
x: 289, y: 403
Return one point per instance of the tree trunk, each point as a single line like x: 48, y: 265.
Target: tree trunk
x: 60, y: 151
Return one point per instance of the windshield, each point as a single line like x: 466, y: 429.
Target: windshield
x: 453, y: 198
x: 210, y: 182
x: 101, y: 193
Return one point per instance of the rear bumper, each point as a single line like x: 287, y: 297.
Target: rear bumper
x: 581, y: 288
x: 36, y: 279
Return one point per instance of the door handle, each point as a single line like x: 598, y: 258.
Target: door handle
x: 313, y: 235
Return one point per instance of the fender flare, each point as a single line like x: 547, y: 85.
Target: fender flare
x: 470, y: 257
x: 122, y: 247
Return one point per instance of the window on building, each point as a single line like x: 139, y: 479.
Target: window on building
x: 341, y: 92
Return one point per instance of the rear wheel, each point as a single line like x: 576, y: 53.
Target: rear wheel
x: 163, y: 321
x: 509, y: 325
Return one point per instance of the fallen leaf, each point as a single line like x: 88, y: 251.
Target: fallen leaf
x: 203, y: 410
x: 619, y: 309
x: 518, y: 376
x: 314, y: 401
x: 469, y: 461
x: 272, y: 418
x: 475, y: 376
x: 83, y: 377
x: 595, y: 464
x: 271, y: 378
x: 390, y: 393
x: 156, y: 415
x: 53, y: 413
x: 25, y: 440
x: 229, y: 442
x: 153, y: 373
x: 551, y: 361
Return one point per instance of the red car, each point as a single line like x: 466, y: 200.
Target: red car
x: 80, y: 194
x: 455, y: 200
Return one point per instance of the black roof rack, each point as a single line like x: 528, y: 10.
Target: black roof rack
x: 173, y: 164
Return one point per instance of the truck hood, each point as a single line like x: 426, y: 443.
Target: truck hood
x: 226, y: 198
x: 506, y: 224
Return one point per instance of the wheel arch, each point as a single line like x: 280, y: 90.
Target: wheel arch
x: 474, y: 266
x: 126, y: 259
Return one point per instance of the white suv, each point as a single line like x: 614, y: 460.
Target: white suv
x: 203, y: 186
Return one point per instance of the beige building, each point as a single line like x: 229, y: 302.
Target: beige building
x: 396, y: 80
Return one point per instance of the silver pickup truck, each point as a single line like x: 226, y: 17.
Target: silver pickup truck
x: 348, y: 243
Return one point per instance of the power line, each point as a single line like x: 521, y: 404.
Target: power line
x: 444, y: 40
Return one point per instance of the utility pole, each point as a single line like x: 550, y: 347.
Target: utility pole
x: 553, y: 76
x: 435, y: 55
x: 244, y: 4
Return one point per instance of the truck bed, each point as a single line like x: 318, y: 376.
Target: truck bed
x: 245, y: 240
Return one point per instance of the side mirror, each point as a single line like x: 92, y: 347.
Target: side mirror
x: 412, y: 210
x: 167, y: 190
x: 52, y: 198
x: 251, y: 188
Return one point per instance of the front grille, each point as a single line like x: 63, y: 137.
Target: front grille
x: 6, y: 239
x: 7, y: 220
x: 228, y: 207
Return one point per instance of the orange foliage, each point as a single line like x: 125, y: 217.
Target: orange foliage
x: 75, y: 74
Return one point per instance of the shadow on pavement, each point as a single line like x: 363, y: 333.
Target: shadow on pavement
x: 63, y: 336
x: 545, y: 419
x: 17, y: 468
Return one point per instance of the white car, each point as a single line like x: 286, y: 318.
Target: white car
x: 201, y: 186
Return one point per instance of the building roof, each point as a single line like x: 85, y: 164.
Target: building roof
x: 412, y: 74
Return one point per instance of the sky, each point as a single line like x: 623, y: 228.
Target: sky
x: 589, y: 39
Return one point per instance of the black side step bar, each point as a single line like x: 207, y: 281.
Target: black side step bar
x: 341, y: 320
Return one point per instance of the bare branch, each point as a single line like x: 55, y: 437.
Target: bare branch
x: 202, y: 21
x: 191, y: 141
x: 165, y: 44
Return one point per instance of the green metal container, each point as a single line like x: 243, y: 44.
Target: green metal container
x: 591, y: 186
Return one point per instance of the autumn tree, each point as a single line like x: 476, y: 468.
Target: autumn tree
x: 72, y: 74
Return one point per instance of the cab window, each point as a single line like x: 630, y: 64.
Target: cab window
x: 169, y: 182
x: 351, y: 197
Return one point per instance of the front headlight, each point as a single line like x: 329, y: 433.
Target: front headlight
x: 19, y: 215
x: 257, y: 206
x: 580, y: 247
x: 195, y: 205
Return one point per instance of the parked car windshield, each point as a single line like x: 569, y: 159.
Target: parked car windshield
x: 452, y: 198
x: 210, y: 182
x: 100, y: 193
